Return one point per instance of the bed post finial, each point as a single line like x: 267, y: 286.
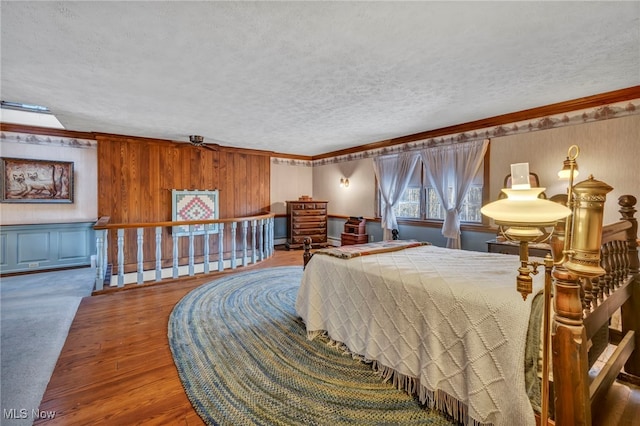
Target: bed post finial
x: 307, y: 251
x: 627, y: 205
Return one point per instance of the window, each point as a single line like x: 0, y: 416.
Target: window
x: 29, y: 114
x: 420, y: 200
x: 410, y: 203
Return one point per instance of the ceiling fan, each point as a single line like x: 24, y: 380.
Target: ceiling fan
x: 198, y: 141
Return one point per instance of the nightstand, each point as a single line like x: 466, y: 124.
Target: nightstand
x: 354, y: 232
x: 509, y: 247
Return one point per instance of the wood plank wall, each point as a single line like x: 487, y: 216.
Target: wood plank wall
x: 136, y: 176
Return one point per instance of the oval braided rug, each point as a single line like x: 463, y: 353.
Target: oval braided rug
x: 243, y: 357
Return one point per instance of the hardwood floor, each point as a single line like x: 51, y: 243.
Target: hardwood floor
x: 116, y: 367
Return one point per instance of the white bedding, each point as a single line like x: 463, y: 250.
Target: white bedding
x: 457, y: 339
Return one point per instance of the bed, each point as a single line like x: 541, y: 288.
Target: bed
x: 448, y: 326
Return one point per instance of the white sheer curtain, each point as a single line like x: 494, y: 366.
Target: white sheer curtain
x: 452, y: 168
x: 393, y: 173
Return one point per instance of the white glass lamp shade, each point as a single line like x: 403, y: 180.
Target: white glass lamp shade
x: 570, y: 163
x: 522, y: 207
x: 524, y: 233
x: 565, y: 173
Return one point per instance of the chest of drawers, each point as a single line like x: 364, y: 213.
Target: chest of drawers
x: 306, y: 219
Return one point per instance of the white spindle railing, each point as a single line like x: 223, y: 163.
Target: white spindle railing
x: 133, y: 270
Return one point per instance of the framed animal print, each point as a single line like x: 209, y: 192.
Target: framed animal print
x: 36, y: 181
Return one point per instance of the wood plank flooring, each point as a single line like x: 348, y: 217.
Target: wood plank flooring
x: 116, y: 367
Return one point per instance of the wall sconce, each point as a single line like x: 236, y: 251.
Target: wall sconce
x: 344, y: 183
x: 569, y: 166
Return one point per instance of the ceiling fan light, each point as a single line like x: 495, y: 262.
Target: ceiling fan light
x: 196, y: 140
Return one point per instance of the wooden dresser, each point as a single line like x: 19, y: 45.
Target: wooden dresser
x: 306, y: 219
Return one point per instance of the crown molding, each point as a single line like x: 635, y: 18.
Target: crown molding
x: 46, y: 136
x: 604, y: 106
x: 619, y: 103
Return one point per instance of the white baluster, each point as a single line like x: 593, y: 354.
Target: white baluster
x: 270, y: 236
x: 273, y: 231
x: 140, y: 233
x: 120, y: 257
x: 100, y: 266
x: 254, y: 225
x: 191, y: 250
x: 105, y: 254
x: 174, y: 236
x: 221, y: 247
x: 233, y: 245
x: 158, y: 253
x: 207, y: 230
x: 245, y: 226
x: 261, y: 244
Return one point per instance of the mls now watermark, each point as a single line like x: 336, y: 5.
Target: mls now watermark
x: 23, y: 413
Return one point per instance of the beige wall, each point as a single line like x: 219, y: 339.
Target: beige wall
x: 85, y: 205
x: 356, y: 200
x: 609, y: 149
x: 288, y: 182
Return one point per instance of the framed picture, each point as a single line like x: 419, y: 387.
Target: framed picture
x: 36, y: 181
x: 194, y: 205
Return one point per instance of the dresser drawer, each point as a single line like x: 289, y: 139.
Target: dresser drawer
x: 311, y: 231
x: 307, y: 221
x: 319, y: 238
x: 306, y: 206
x: 312, y: 223
x: 309, y: 212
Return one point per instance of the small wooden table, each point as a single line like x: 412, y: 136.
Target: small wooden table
x: 510, y: 247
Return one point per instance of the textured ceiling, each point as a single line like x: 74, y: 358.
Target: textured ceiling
x: 308, y: 78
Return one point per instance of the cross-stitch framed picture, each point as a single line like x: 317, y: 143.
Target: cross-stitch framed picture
x: 194, y: 205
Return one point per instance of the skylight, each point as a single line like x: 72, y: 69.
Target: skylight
x: 28, y: 114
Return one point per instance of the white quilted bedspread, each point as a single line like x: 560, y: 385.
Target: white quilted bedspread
x: 451, y: 320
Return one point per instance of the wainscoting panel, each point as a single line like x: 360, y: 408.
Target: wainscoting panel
x: 45, y: 246
x: 33, y: 246
x: 3, y: 251
x: 71, y: 247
